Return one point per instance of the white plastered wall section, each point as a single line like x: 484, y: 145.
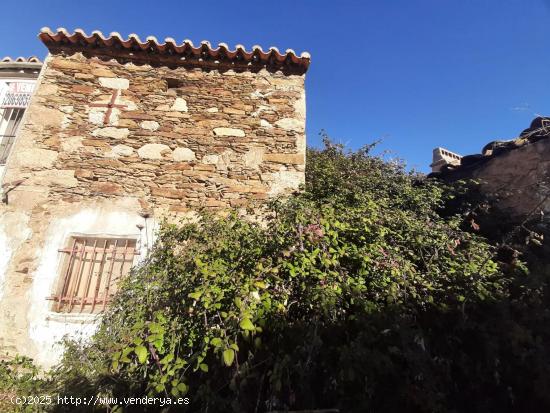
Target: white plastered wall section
x: 14, y: 231
x: 46, y: 327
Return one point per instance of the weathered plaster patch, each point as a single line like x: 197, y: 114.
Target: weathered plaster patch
x: 290, y: 124
x: 254, y: 157
x: 44, y: 117
x: 153, y: 150
x: 179, y: 105
x: 265, y: 124
x: 183, y: 154
x: 120, y: 150
x: 65, y: 122
x: 114, y: 82
x: 96, y: 116
x: 13, y: 231
x: 58, y: 177
x: 71, y: 143
x: 283, y: 181
x: 261, y: 109
x: 300, y: 107
x: 257, y: 94
x: 67, y: 109
x: 112, y: 132
x: 229, y: 132
x: 210, y: 159
x: 149, y: 125
x: 47, y: 90
x: 35, y: 158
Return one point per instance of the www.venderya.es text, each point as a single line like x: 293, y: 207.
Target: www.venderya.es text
x: 98, y: 401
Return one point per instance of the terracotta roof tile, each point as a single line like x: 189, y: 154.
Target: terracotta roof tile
x: 202, y: 55
x: 20, y: 59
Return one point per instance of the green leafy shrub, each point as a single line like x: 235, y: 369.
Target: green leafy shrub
x: 355, y: 294
x: 20, y: 378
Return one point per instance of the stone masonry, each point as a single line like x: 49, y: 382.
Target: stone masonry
x: 176, y: 138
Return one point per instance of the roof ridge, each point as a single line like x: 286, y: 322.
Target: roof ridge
x: 186, y: 50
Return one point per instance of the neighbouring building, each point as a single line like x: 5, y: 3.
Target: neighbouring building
x: 515, y: 171
x: 17, y: 80
x: 119, y: 134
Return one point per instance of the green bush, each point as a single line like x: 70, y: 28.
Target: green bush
x: 353, y: 294
x: 19, y: 377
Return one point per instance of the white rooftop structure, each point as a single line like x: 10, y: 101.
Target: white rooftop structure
x: 442, y: 156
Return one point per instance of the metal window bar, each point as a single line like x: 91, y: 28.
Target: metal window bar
x: 9, y: 123
x: 91, y: 272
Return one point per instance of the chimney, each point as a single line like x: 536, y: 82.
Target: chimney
x: 441, y: 157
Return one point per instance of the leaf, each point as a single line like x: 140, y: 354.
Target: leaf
x: 204, y: 367
x: 183, y: 388
x: 138, y: 325
x: 156, y: 328
x: 167, y: 359
x: 228, y: 357
x: 260, y: 284
x: 158, y: 343
x: 124, y: 357
x: 216, y: 342
x: 196, y: 295
x: 141, y: 353
x: 246, y: 324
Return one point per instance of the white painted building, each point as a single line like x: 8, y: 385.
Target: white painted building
x: 17, y: 80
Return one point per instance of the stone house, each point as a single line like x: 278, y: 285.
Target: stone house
x: 515, y: 171
x: 119, y: 134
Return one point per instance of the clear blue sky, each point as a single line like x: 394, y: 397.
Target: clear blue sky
x: 417, y: 73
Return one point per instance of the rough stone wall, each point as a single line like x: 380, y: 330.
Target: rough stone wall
x: 520, y: 178
x: 185, y: 139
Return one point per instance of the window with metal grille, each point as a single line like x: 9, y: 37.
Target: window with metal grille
x: 91, y: 270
